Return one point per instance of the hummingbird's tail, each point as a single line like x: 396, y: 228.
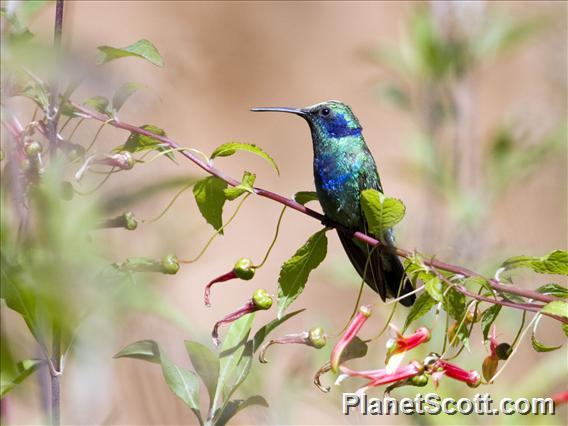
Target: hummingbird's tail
x: 385, y: 272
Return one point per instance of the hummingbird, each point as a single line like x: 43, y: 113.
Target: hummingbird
x: 343, y: 167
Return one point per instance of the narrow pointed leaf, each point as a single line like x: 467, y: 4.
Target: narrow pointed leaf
x: 296, y: 270
x: 541, y: 347
x: 142, y: 49
x: 488, y: 318
x: 236, y: 405
x: 231, y: 148
x: 210, y: 197
x: 182, y: 382
x: 23, y: 370
x: 146, y: 350
x: 206, y: 365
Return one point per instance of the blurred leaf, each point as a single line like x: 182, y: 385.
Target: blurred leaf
x: 264, y: 331
x: 421, y: 307
x: 138, y: 143
x: 356, y: 348
x: 146, y: 350
x: 454, y: 304
x: 232, y: 351
x: 210, y: 197
x: 553, y: 290
x: 557, y: 307
x: 206, y: 365
x: 231, y: 148
x: 98, y: 103
x: 381, y: 212
x: 565, y: 329
x: 24, y: 369
x: 540, y: 347
x: 124, y: 92
x: 554, y: 263
x: 246, y: 185
x: 141, y: 49
x: 304, y: 197
x: 236, y: 405
x: 37, y: 93
x: 488, y: 318
x: 296, y: 270
x: 395, y: 95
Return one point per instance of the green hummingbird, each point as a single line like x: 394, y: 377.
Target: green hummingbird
x: 343, y: 167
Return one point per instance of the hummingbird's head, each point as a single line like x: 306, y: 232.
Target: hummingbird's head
x: 331, y: 119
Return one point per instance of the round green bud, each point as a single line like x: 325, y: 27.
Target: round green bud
x: 131, y: 223
x: 244, y: 269
x: 170, y: 264
x: 33, y: 148
x: 262, y: 299
x: 317, y: 337
x: 503, y: 351
x: 420, y: 380
x: 67, y: 191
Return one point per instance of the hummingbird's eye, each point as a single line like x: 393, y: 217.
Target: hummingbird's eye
x: 325, y: 111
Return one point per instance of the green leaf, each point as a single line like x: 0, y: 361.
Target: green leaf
x: 557, y: 307
x: 124, y: 92
x: 264, y: 331
x: 246, y: 185
x: 232, y: 351
x: 488, y: 318
x: 23, y: 370
x: 355, y: 349
x: 138, y: 143
x: 141, y: 49
x: 98, y: 103
x: 230, y: 148
x: 454, y: 304
x: 206, y: 365
x: 553, y: 290
x: 565, y: 329
x: 421, y: 307
x: 182, y: 382
x: 553, y: 263
x: 304, y: 197
x: 540, y: 347
x: 381, y: 212
x: 210, y: 197
x: 146, y: 350
x: 434, y: 287
x: 236, y: 405
x: 296, y: 270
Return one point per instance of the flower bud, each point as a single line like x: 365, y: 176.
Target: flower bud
x: 489, y: 367
x: 170, y: 264
x: 420, y: 380
x: 261, y: 299
x: 33, y: 148
x: 126, y: 220
x: 400, y: 344
x: 317, y: 337
x: 244, y: 269
x: 503, y: 351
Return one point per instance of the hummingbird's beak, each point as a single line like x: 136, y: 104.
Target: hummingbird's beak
x: 296, y: 111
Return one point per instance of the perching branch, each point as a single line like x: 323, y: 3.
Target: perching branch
x: 209, y: 168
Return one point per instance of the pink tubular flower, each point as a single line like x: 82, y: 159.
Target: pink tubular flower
x: 560, y: 398
x: 399, y: 343
x: 225, y: 277
x: 472, y: 377
x: 383, y: 376
x: 352, y: 330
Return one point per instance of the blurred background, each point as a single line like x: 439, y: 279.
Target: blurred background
x: 463, y: 105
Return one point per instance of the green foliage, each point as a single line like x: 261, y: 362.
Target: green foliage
x: 140, y: 143
x: 206, y: 365
x: 9, y: 380
x: 304, y: 197
x: 98, y: 103
x: 381, y: 212
x: 553, y: 290
x: 421, y: 307
x: 231, y: 148
x: 553, y: 263
x: 296, y: 270
x: 541, y: 347
x: 210, y: 198
x: 123, y: 93
x: 557, y: 307
x: 246, y: 185
x: 141, y: 49
x: 488, y: 318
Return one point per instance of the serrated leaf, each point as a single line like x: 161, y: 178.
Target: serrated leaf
x: 296, y: 270
x: 231, y: 148
x: 381, y: 212
x: 555, y: 262
x: 142, y: 49
x: 421, y: 307
x: 557, y: 307
x: 124, y: 92
x: 477, y: 281
x: 265, y: 330
x: 434, y: 287
x: 146, y: 350
x: 553, y: 290
x: 540, y: 347
x: 138, y: 143
x: 98, y: 103
x: 235, y: 406
x: 454, y: 304
x: 246, y: 185
x: 209, y: 194
x: 304, y: 197
x: 488, y: 318
x: 206, y: 365
x: 23, y: 370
